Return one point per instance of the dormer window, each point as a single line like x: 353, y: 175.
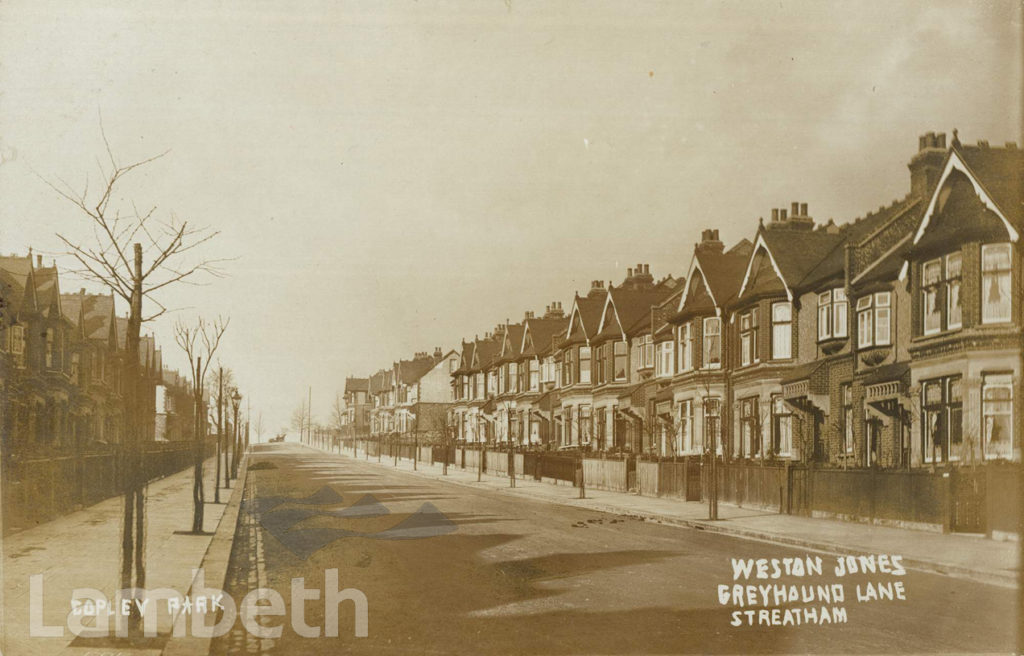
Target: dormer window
x: 874, y: 320
x: 995, y: 283
x: 712, y: 343
x: 832, y: 314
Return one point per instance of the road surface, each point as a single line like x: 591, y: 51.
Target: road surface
x: 448, y: 568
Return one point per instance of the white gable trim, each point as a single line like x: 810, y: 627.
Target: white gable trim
x: 604, y: 312
x: 880, y: 259
x: 695, y: 266
x: 760, y: 243
x: 576, y: 313
x: 956, y: 163
x: 526, y: 331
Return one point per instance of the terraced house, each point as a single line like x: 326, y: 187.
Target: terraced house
x: 800, y: 356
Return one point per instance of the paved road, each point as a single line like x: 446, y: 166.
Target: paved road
x: 450, y: 569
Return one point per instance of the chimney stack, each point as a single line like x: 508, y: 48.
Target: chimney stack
x: 709, y: 241
x: 39, y: 261
x: 925, y: 166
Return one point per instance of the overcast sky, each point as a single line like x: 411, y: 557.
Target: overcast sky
x: 395, y: 179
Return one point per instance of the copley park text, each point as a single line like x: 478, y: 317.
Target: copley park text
x: 792, y: 604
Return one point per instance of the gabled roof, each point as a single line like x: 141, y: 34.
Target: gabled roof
x: 485, y: 351
x: 858, y: 234
x: 586, y: 313
x: 356, y: 384
x: 540, y: 333
x: 996, y: 176
x: 718, y: 275
x: 47, y: 286
x: 16, y: 283
x: 633, y: 308
x: 410, y: 371
x: 792, y: 254
x: 511, y: 342
x: 662, y: 312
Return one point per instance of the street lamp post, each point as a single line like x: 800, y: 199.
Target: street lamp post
x: 236, y: 399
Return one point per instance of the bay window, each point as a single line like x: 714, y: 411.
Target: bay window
x: 534, y: 375
x: 666, y: 356
x: 832, y: 314
x: 750, y: 433
x: 599, y: 365
x: 713, y: 425
x: 712, y: 342
x: 569, y: 366
x: 620, y: 360
x: 995, y: 283
x: 782, y: 427
x: 18, y: 345
x: 584, y: 364
x: 513, y: 377
x: 954, y: 312
x: 49, y: 348
x: 874, y: 320
x: 748, y: 338
x: 685, y: 346
x: 684, y: 426
x: 942, y: 418
x: 782, y: 330
x: 997, y: 415
x: 931, y: 283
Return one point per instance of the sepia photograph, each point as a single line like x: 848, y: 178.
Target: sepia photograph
x: 511, y: 327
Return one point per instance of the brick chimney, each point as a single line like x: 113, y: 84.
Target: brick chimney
x: 926, y: 166
x: 709, y: 242
x: 638, y: 278
x: 795, y: 218
x: 554, y: 311
x: 596, y: 287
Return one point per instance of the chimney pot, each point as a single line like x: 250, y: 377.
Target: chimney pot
x: 940, y: 140
x: 39, y: 260
x: 775, y: 214
x: 794, y: 209
x: 81, y: 291
x: 782, y: 214
x: 803, y: 209
x: 647, y: 268
x: 629, y: 272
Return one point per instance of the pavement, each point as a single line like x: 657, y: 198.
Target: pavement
x: 968, y: 556
x: 448, y: 567
x: 81, y: 550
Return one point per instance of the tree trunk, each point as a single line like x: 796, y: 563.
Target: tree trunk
x: 197, y: 473
x: 133, y: 534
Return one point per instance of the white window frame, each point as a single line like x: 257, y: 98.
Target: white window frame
x: 989, y: 273
x: 685, y: 338
x: 782, y: 331
x: 928, y: 290
x: 950, y: 281
x: 705, y: 349
x: 991, y: 382
x: 585, y: 380
x: 873, y: 312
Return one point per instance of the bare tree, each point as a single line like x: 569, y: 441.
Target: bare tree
x: 114, y: 257
x: 220, y: 388
x: 300, y: 418
x: 258, y: 426
x: 198, y: 342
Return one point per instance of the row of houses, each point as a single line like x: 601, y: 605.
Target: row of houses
x: 410, y: 398
x: 893, y: 340
x: 61, y: 369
